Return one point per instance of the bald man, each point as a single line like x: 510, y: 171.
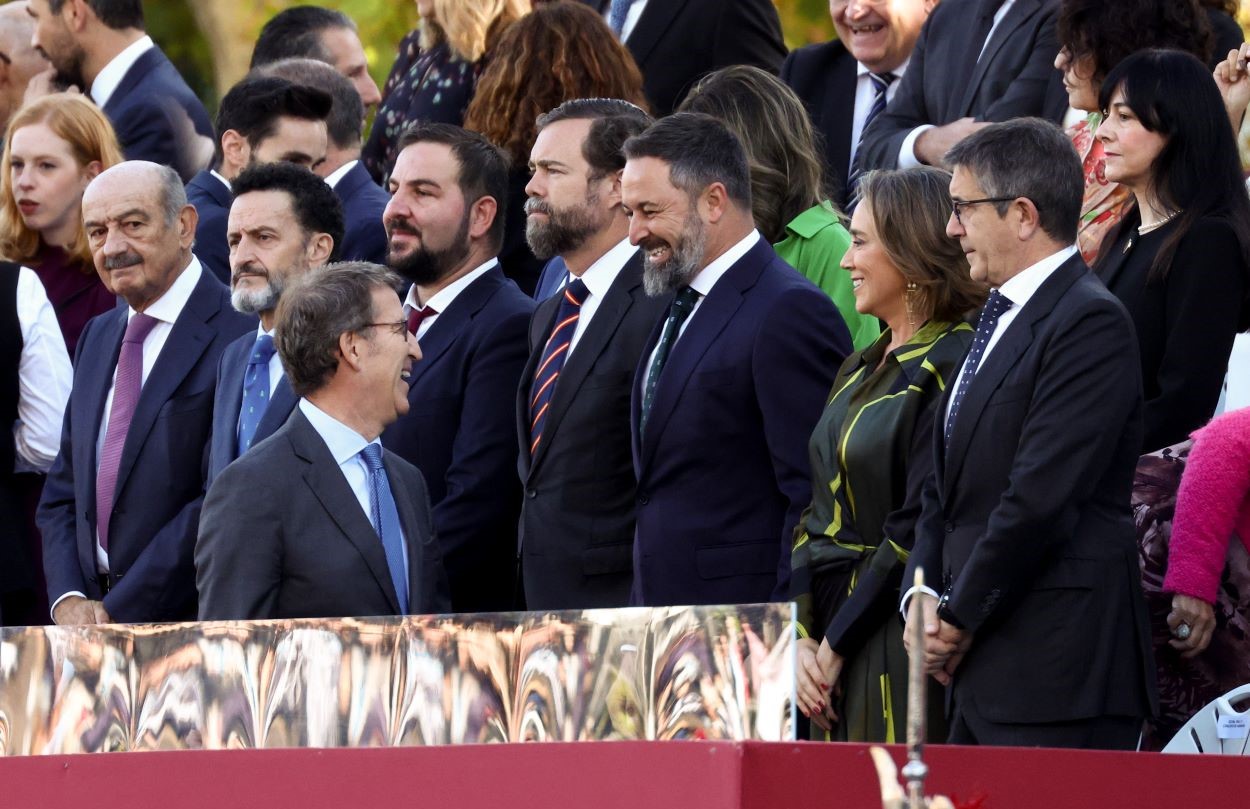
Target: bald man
x: 19, y: 62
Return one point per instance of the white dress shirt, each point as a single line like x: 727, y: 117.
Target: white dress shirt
x: 107, y: 80
x: 339, y: 173
x: 443, y: 298
x: 45, y: 377
x: 631, y: 17
x: 598, y: 279
x: 865, y: 94
x: 223, y: 180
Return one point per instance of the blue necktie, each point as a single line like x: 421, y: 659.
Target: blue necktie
x: 617, y: 12
x: 552, y: 360
x: 682, y: 306
x: 385, y: 518
x: 995, y: 306
x: 881, y: 84
x: 255, y: 391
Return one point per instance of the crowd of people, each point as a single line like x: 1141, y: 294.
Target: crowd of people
x: 617, y: 304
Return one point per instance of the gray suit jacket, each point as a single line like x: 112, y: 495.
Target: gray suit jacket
x: 283, y: 536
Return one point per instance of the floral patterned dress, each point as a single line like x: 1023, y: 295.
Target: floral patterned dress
x: 1105, y: 202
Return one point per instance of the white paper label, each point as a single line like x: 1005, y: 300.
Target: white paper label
x: 1233, y: 727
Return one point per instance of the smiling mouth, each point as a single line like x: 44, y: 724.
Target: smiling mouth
x: 866, y: 29
x: 856, y: 282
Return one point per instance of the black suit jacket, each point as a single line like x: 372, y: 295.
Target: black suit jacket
x: 1026, y: 519
x: 459, y: 432
x: 212, y: 202
x: 364, y: 237
x: 825, y: 77
x: 577, y: 519
x: 946, y: 81
x: 282, y: 535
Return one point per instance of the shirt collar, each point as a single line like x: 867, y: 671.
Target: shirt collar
x: 862, y: 70
x: 224, y: 181
x: 599, y: 276
x: 1022, y: 286
x: 107, y: 80
x: 343, y: 442
x: 443, y: 298
x: 709, y: 275
x: 339, y: 173
x: 167, y: 307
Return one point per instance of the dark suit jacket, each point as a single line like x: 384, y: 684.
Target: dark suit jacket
x: 825, y: 77
x: 282, y: 535
x: 363, y: 202
x: 459, y: 432
x: 212, y: 202
x: 160, y: 482
x: 945, y: 80
x: 157, y: 117
x: 723, y: 471
x: 577, y: 521
x: 1026, y: 518
x: 228, y: 400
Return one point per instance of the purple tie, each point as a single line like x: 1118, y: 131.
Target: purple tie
x: 126, y: 388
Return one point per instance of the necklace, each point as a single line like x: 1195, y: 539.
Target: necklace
x: 1142, y: 230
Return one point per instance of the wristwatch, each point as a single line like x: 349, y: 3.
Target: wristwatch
x: 944, y: 611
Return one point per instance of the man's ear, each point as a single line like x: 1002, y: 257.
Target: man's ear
x: 1030, y: 220
x: 188, y: 218
x: 351, y: 349
x: 716, y: 199
x: 320, y: 246
x: 235, y: 149
x: 482, y: 217
x: 77, y: 14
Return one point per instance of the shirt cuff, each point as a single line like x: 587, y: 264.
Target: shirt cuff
x: 52, y: 611
x: 906, y: 599
x: 907, y: 158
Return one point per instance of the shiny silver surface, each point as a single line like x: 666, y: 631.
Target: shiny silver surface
x: 665, y: 673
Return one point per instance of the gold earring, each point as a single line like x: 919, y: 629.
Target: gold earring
x: 909, y: 298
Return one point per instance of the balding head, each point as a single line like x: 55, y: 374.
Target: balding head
x: 18, y: 60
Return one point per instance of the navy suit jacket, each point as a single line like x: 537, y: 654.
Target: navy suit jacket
x: 364, y: 238
x: 723, y: 471
x: 228, y: 400
x: 824, y: 76
x: 157, y: 117
x: 459, y: 432
x: 212, y: 202
x: 160, y: 481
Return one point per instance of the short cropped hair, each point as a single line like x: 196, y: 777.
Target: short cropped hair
x: 173, y: 193
x: 699, y: 151
x: 115, y: 14
x: 316, y: 206
x: 254, y: 105
x: 614, y: 121
x: 346, y: 121
x: 1030, y: 158
x: 296, y: 33
x: 483, y: 166
x: 317, y: 309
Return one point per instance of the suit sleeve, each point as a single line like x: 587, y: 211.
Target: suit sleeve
x: 1027, y: 94
x: 238, y: 552
x: 881, y: 141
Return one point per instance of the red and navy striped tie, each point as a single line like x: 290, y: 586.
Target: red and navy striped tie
x: 554, y: 354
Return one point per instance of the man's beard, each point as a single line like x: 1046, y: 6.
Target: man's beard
x: 424, y: 266
x: 255, y: 301
x: 683, y: 264
x: 565, y: 230
x: 69, y: 73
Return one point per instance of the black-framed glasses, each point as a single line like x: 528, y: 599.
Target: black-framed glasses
x: 957, y: 205
x: 398, y: 327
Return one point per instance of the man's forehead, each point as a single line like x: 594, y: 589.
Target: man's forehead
x: 426, y: 160
x: 111, y: 200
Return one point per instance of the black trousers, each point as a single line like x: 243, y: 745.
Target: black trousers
x: 1098, y: 733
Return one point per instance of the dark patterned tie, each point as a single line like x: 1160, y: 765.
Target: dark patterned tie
x: 384, y: 515
x: 682, y: 306
x: 255, y: 391
x: 995, y: 306
x: 880, y: 84
x: 554, y: 354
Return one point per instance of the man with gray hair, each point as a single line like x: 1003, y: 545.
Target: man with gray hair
x: 730, y: 383
x: 19, y: 62
x: 122, y: 501
x: 319, y: 520
x: 1037, y: 622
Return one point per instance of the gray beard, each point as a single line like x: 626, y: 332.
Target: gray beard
x: 252, y: 302
x: 684, y: 264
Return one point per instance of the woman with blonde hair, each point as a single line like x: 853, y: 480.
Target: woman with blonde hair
x: 54, y: 147
x: 437, y: 70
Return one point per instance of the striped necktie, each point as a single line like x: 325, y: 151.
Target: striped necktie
x: 880, y: 84
x: 554, y: 354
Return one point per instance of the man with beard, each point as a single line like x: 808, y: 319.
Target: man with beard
x: 577, y: 520
x: 122, y: 502
x: 445, y: 225
x: 284, y: 221
x: 99, y: 46
x: 731, y: 382
x: 263, y: 119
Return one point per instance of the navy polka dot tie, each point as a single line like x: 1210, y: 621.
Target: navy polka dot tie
x: 995, y: 306
x: 255, y: 391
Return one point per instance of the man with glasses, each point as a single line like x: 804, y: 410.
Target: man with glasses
x: 319, y: 520
x: 1037, y: 623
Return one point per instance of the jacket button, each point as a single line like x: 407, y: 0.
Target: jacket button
x: 643, y: 499
x: 531, y: 494
x: 950, y: 527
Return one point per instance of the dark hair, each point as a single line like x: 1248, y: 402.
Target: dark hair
x: 614, y: 121
x: 699, y: 151
x: 346, y: 121
x: 1198, y: 172
x: 296, y: 32
x: 318, y: 308
x: 316, y: 206
x: 1110, y: 32
x: 787, y: 170
x: 1030, y: 158
x: 254, y: 105
x: 115, y: 14
x: 482, y: 170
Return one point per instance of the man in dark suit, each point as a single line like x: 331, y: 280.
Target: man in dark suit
x: 363, y: 201
x: 283, y: 222
x: 577, y: 519
x: 121, y: 504
x: 977, y: 61
x: 318, y: 520
x: 100, y: 47
x: 445, y: 222
x: 730, y: 383
x: 846, y: 82
x: 262, y: 119
x: 1026, y: 529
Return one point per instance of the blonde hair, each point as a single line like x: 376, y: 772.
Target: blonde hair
x: 468, y: 26
x: 91, y: 138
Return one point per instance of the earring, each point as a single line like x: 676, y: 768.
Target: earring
x: 909, y: 298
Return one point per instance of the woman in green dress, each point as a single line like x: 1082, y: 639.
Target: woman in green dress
x: 870, y: 453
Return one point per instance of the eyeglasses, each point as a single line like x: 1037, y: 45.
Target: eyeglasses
x: 958, y: 205
x: 399, y: 327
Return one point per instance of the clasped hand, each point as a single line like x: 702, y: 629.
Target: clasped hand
x: 944, y: 645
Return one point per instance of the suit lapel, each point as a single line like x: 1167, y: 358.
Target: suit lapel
x: 412, y: 532
x: 147, y: 62
x: 281, y: 402
x: 88, y: 399
x: 1015, y: 17
x: 452, y: 323
x: 234, y: 367
x: 655, y: 21
x: 837, y: 90
x: 541, y: 324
